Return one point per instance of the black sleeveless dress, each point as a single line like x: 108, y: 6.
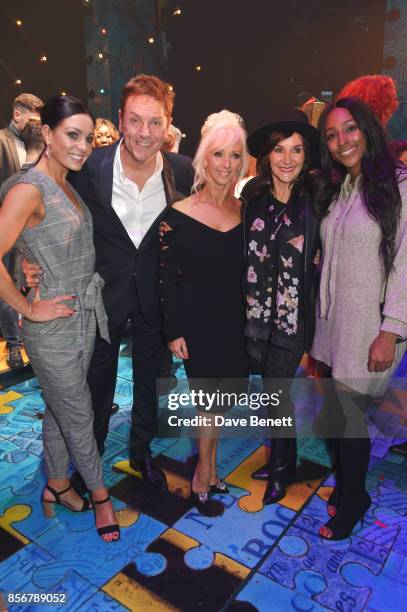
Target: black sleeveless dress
x: 201, y: 296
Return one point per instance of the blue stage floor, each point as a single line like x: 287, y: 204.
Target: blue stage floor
x: 171, y: 558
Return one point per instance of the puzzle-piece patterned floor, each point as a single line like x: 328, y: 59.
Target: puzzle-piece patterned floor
x: 248, y: 557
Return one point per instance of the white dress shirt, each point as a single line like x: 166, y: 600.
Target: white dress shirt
x: 137, y: 210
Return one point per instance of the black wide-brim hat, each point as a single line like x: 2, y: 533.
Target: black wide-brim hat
x: 294, y: 120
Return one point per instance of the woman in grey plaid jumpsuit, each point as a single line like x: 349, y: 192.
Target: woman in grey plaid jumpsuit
x: 51, y: 225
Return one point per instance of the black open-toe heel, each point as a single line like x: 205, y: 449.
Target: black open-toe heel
x: 334, y: 501
x: 48, y: 505
x: 351, y: 511
x: 219, y: 487
x: 113, y: 528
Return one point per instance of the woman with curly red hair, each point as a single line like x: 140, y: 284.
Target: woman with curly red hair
x: 378, y: 91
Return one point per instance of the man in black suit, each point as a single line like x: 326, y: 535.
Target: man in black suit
x: 26, y: 107
x: 127, y: 187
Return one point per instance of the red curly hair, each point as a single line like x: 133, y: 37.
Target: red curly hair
x: 378, y: 91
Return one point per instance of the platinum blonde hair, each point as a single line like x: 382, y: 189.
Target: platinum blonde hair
x: 219, y: 131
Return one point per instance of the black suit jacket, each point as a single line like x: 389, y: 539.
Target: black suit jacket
x: 129, y: 272
x: 9, y: 161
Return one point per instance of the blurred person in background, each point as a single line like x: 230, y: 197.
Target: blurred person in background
x: 13, y: 156
x: 105, y: 133
x: 172, y: 140
x: 378, y: 91
x: 399, y: 150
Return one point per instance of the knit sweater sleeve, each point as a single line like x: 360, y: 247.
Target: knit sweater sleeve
x: 395, y: 303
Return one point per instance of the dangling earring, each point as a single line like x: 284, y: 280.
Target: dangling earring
x: 47, y: 151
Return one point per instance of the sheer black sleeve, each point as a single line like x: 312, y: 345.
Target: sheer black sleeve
x: 168, y: 287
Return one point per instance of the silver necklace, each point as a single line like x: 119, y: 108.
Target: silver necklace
x: 276, y: 218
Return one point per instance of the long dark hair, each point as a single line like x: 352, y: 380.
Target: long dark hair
x: 379, y: 172
x: 58, y: 108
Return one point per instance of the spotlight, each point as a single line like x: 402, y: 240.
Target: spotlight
x: 43, y: 58
x: 63, y: 93
x: 104, y: 31
x: 177, y: 11
x: 171, y: 88
x: 17, y: 82
x: 100, y: 55
x: 198, y: 68
x: 183, y: 135
x: 102, y: 91
x: 151, y: 40
x: 19, y: 22
x: 86, y: 2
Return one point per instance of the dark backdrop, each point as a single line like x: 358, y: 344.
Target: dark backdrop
x: 257, y: 55
x: 50, y: 27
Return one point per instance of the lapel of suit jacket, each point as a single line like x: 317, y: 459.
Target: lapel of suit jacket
x: 106, y: 192
x: 106, y: 176
x: 170, y: 192
x: 12, y: 148
x: 167, y: 176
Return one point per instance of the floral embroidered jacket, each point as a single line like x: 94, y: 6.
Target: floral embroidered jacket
x: 276, y: 306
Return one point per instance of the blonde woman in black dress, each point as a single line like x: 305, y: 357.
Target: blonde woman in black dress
x: 201, y: 278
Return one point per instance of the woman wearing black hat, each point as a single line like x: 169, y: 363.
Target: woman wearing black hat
x: 282, y: 239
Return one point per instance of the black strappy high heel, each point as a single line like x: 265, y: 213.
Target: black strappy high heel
x: 113, y: 528
x: 351, y: 511
x: 48, y: 505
